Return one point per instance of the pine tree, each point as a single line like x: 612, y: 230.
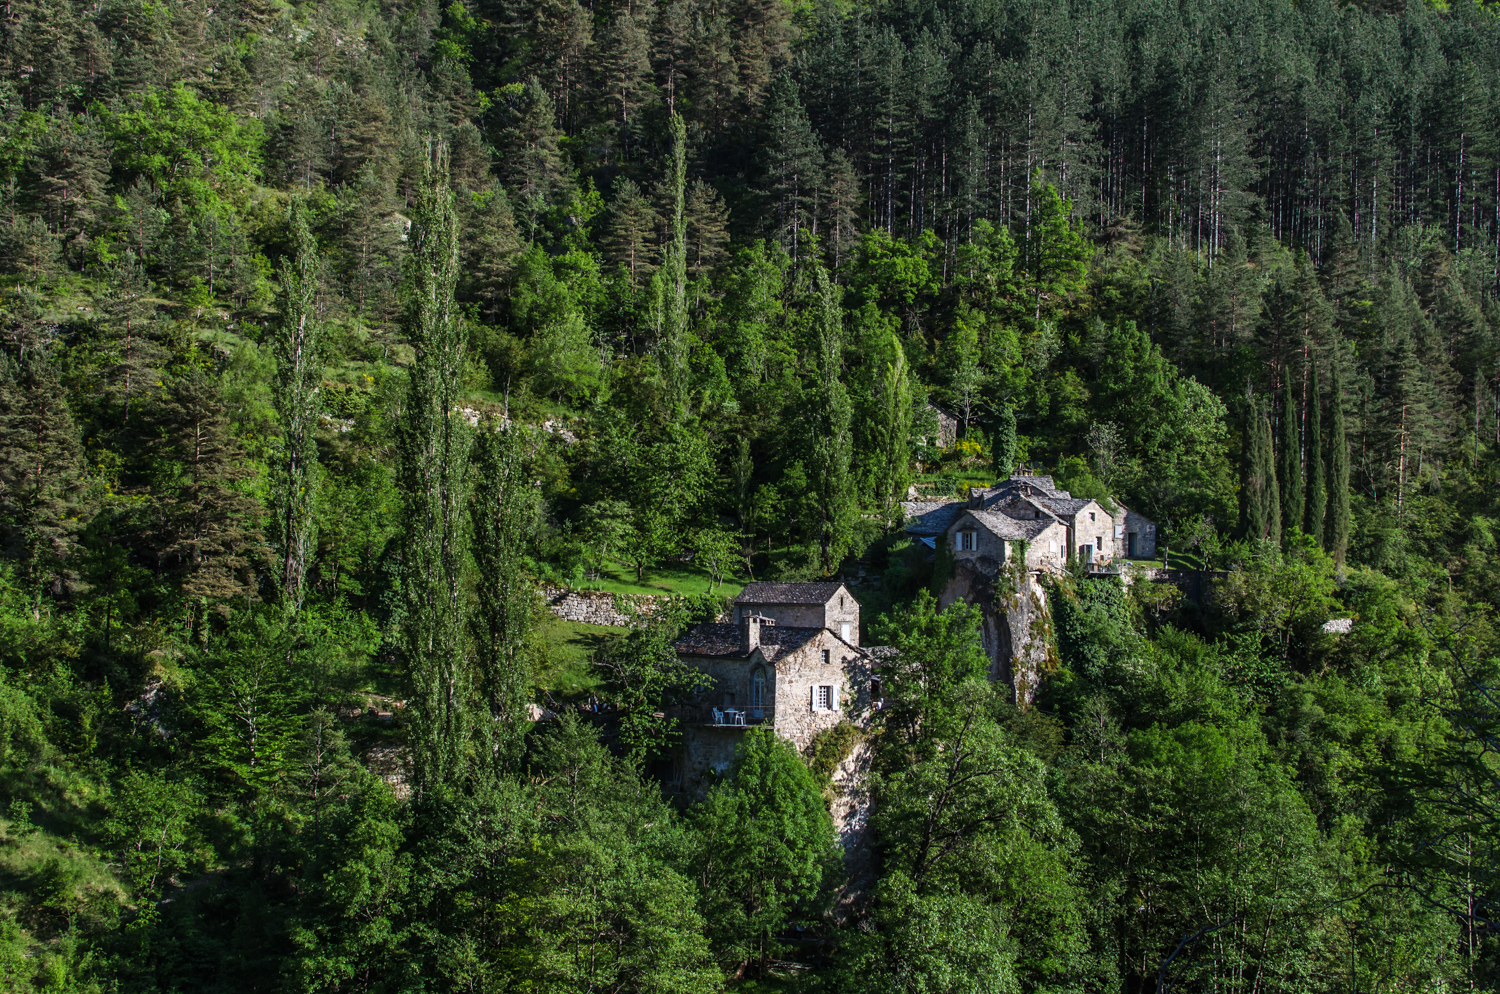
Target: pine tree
x: 707, y: 222
x: 434, y: 441
x: 632, y: 229
x: 212, y: 528
x: 792, y: 160
x: 501, y: 514
x: 1290, y: 457
x: 41, y: 478
x: 1337, y: 522
x: 831, y: 420
x: 297, y: 346
x: 1317, y: 487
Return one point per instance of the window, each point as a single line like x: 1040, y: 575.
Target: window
x: 965, y: 542
x: 823, y: 698
x: 827, y: 657
x: 1052, y: 546
x: 1091, y: 515
x: 844, y: 631
x: 1099, y: 542
x: 758, y: 689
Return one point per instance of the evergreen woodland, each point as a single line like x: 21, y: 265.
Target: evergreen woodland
x: 329, y: 331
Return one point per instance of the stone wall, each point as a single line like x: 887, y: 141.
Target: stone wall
x: 599, y: 607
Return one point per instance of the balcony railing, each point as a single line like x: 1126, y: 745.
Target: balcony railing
x: 722, y: 717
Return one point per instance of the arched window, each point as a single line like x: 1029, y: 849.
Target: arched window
x: 757, y: 690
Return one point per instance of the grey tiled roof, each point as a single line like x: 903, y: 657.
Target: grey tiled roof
x: 787, y: 593
x: 1064, y: 507
x: 724, y: 640
x: 931, y: 517
x: 1011, y: 529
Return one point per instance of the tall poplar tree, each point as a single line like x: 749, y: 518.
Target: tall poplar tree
x: 434, y: 442
x: 1337, y: 522
x: 1290, y: 457
x: 674, y: 343
x: 832, y: 416
x: 1317, y: 486
x: 297, y: 347
x: 501, y: 511
x: 1005, y: 442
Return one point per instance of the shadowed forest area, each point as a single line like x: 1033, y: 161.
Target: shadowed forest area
x: 332, y: 332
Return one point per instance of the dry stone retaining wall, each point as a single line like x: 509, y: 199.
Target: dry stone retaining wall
x: 599, y: 607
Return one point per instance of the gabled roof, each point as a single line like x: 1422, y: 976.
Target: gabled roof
x: 931, y: 517
x: 1005, y: 527
x: 1064, y: 507
x: 788, y: 593
x: 723, y: 641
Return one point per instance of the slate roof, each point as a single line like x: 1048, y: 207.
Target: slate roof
x: 724, y: 640
x: 931, y: 517
x: 1064, y: 507
x: 761, y: 592
x: 1011, y: 529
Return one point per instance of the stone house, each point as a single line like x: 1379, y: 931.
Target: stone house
x: 1024, y: 515
x: 1089, y: 532
x: 801, y: 605
x: 795, y: 678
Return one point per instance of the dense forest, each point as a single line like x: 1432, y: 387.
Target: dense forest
x: 330, y: 331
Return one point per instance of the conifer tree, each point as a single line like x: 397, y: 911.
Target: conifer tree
x: 1290, y: 457
x: 832, y: 415
x: 211, y: 526
x: 40, y: 470
x: 297, y: 347
x: 1337, y: 522
x: 1270, y: 493
x: 1260, y: 504
x: 501, y: 512
x: 434, y: 442
x: 1317, y: 487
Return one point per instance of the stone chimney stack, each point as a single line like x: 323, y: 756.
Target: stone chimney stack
x: 750, y: 632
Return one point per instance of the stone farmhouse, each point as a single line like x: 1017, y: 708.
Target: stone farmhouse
x: 1002, y: 539
x: 789, y: 659
x: 1055, y: 525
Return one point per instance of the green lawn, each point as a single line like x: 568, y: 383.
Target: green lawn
x: 679, y: 579
x: 565, y: 671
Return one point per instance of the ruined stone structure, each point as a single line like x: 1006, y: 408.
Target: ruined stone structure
x: 795, y: 678
x: 1002, y: 539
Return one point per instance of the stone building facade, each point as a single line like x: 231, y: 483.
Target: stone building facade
x: 795, y: 679
x: 987, y: 533
x: 801, y: 605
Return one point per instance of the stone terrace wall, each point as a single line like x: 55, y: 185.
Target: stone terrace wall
x: 599, y: 607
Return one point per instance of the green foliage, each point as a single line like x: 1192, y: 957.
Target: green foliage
x: 767, y: 845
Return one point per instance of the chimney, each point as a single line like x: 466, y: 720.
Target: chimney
x: 750, y: 632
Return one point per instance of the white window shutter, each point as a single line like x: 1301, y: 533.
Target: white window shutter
x: 812, y: 698
x: 835, y: 700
